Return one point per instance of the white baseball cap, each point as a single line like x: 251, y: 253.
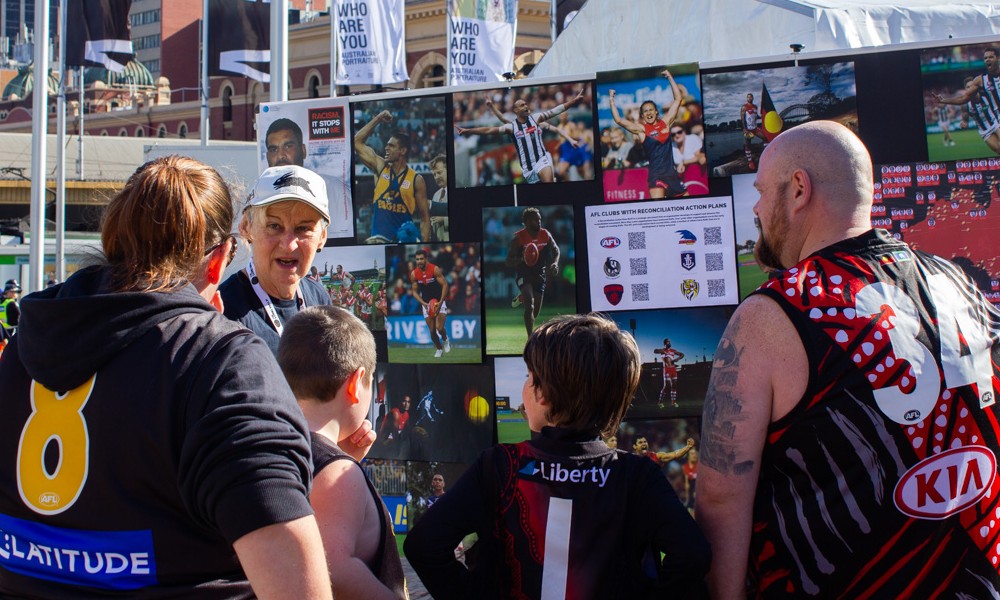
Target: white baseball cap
x: 291, y: 182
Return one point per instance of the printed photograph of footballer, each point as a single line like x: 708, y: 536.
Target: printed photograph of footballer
x: 745, y: 110
x: 433, y: 412
x: 354, y: 276
x: 945, y: 208
x: 652, y: 137
x: 313, y: 134
x: 426, y: 482
x: 537, y: 134
x: 394, y: 144
x: 961, y: 101
x: 512, y: 422
x: 670, y: 443
x: 749, y: 272
x: 434, y: 313
x: 529, y: 260
x: 677, y: 348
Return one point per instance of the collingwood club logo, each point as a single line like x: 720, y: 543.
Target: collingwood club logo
x: 612, y: 268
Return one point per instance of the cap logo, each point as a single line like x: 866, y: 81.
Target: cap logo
x: 289, y: 179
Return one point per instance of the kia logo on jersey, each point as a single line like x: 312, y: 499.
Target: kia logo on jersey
x: 610, y: 242
x: 614, y: 292
x: 946, y: 483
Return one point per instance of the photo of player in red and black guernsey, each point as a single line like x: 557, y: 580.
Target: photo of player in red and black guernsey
x: 882, y: 480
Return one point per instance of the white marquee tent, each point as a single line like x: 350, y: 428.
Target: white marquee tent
x: 607, y: 35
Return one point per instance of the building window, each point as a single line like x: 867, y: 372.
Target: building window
x: 145, y: 17
x: 146, y: 42
x: 140, y: 132
x: 104, y: 133
x: 123, y: 132
x: 434, y: 78
x: 227, y: 104
x: 182, y: 131
x: 153, y: 65
x: 162, y: 131
x: 314, y: 86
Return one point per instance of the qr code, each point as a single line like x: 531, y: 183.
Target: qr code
x: 640, y: 292
x: 713, y: 261
x: 637, y: 266
x: 713, y: 236
x: 637, y: 240
x: 716, y: 288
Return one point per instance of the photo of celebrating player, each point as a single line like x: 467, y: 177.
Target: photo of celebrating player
x: 739, y: 123
x: 651, y: 133
x: 670, y: 443
x: 670, y: 359
x: 355, y: 280
x: 961, y: 101
x: 531, y: 251
x: 512, y: 135
x: 676, y: 368
x: 394, y: 143
x: 430, y: 317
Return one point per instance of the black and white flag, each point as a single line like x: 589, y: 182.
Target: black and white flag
x: 239, y: 38
x: 99, y: 34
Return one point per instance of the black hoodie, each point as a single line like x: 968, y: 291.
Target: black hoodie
x: 178, y: 436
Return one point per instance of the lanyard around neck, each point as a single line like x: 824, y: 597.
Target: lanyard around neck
x: 265, y: 299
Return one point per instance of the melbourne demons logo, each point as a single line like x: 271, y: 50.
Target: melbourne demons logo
x: 611, y: 242
x: 947, y: 483
x: 612, y: 268
x: 614, y: 292
x: 690, y: 287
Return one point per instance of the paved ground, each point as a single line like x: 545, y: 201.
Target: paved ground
x: 413, y: 584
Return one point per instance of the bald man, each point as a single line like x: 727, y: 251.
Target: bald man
x: 849, y: 435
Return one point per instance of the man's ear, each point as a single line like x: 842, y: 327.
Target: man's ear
x: 801, y: 189
x: 354, y: 385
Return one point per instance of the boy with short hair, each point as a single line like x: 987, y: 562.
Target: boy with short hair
x: 563, y: 515
x: 328, y: 357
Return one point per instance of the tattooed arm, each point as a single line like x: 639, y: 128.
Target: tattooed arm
x: 759, y: 373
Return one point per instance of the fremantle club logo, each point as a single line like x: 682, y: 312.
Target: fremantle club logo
x: 614, y: 292
x: 689, y: 287
x: 687, y: 260
x: 612, y: 268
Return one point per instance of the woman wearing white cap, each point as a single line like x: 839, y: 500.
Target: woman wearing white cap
x: 284, y: 222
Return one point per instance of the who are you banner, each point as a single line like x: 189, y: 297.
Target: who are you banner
x: 369, y: 42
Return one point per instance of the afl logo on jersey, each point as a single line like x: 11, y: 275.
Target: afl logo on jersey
x: 610, y: 242
x: 947, y: 483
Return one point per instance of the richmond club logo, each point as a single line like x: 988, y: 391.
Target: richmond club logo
x: 612, y: 268
x: 690, y: 287
x: 614, y: 292
x: 687, y: 260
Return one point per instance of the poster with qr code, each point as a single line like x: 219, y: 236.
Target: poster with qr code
x: 667, y: 254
